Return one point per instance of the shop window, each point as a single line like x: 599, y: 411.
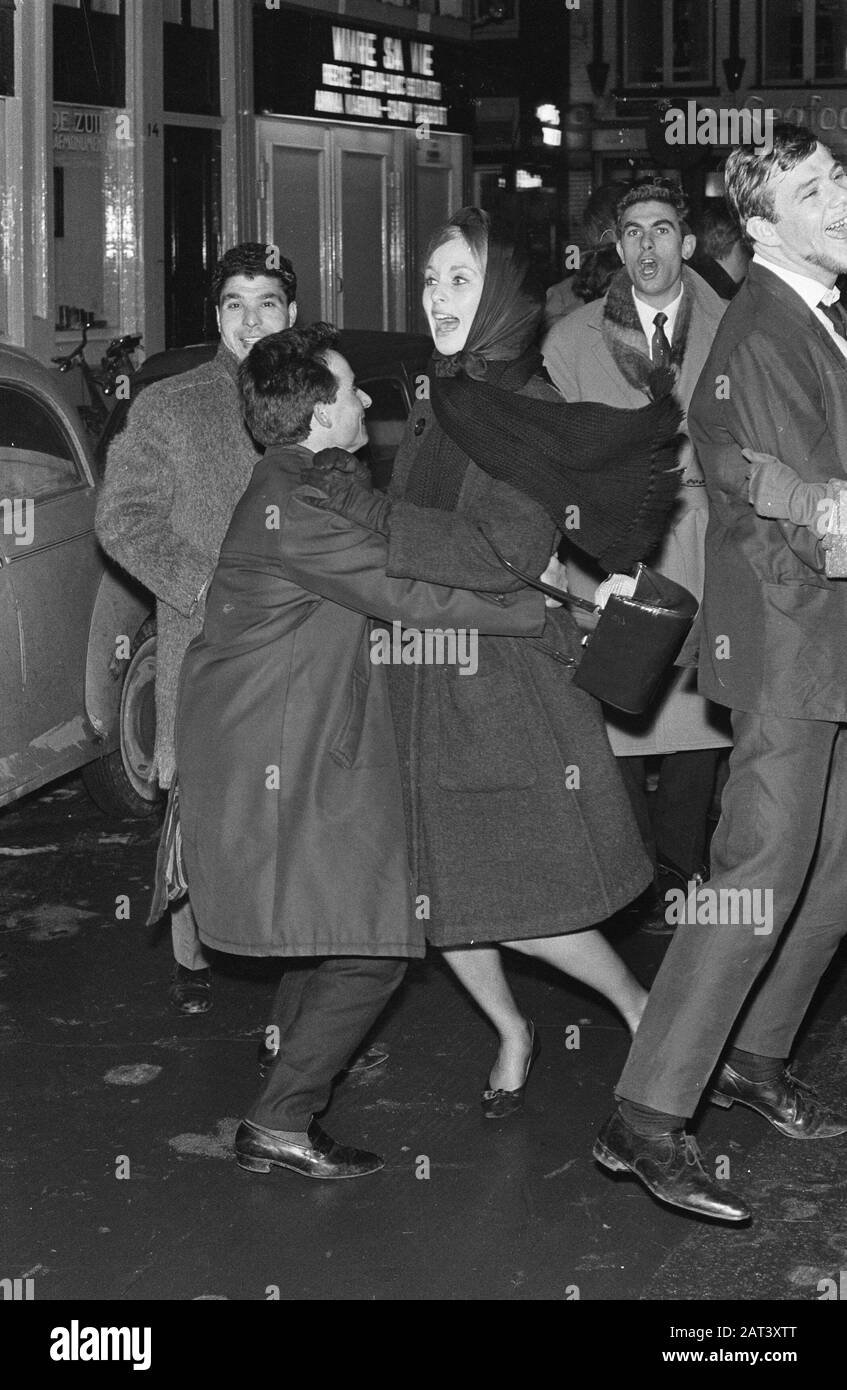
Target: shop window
x: 89, y: 52
x: 804, y: 41
x: 191, y: 57
x: 36, y: 458
x: 830, y: 40
x: 643, y: 25
x: 7, y: 48
x: 192, y: 217
x: 93, y: 223
x: 667, y: 44
x: 783, y: 41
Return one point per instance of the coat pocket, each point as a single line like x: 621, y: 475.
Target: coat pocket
x: 482, y: 740
x: 365, y: 737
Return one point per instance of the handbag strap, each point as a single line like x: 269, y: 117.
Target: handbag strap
x: 561, y: 595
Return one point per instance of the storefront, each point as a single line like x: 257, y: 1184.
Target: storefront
x: 140, y: 138
x: 361, y: 151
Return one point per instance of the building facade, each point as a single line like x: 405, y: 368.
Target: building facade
x: 632, y: 60
x: 140, y: 138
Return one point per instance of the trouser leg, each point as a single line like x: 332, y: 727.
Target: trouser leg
x: 774, y: 1012
x: 287, y: 1003
x: 187, y: 946
x: 681, y: 804
x: 326, y: 1013
x: 633, y: 774
x: 765, y: 841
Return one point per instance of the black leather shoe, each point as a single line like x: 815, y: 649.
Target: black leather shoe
x: 669, y: 1166
x: 496, y: 1105
x: 191, y: 990
x: 667, y: 869
x: 652, y: 908
x: 791, y: 1106
x: 259, y: 1152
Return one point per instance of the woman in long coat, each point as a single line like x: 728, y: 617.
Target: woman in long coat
x: 521, y: 832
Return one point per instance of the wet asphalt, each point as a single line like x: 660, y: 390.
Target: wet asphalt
x: 119, y: 1113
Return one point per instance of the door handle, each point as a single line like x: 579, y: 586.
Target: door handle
x: 339, y: 283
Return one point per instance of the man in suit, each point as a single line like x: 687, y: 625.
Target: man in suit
x: 744, y: 965
x: 656, y: 313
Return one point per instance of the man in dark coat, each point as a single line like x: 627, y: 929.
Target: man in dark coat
x: 290, y: 796
x: 773, y: 651
x: 172, y: 481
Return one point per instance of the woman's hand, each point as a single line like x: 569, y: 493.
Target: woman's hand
x: 623, y: 584
x: 556, y: 575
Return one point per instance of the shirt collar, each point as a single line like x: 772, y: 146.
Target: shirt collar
x: 811, y: 291
x: 647, y: 314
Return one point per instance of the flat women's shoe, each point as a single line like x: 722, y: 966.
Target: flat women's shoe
x: 496, y: 1105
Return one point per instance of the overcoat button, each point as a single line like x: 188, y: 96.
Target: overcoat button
x: 420, y: 425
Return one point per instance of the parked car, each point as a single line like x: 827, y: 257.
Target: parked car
x: 77, y: 646
x: 77, y: 635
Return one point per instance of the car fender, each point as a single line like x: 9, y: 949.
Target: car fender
x: 119, y: 610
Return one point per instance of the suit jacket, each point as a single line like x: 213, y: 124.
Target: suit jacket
x: 581, y: 364
x: 774, y: 626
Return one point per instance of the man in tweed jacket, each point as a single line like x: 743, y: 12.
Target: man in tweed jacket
x: 172, y: 482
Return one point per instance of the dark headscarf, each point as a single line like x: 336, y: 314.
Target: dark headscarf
x: 618, y: 467
x: 506, y: 322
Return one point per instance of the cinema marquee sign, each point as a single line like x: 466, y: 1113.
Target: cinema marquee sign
x: 392, y: 80
x: 311, y: 65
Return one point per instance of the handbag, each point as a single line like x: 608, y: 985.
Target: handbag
x: 636, y: 639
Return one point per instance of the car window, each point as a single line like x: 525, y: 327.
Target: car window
x: 386, y: 421
x: 36, y: 454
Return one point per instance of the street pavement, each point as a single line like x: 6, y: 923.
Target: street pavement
x: 119, y: 1116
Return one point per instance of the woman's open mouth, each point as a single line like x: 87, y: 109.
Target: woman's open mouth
x: 837, y: 229
x: 444, y: 324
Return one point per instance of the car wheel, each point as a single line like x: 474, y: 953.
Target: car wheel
x: 120, y: 782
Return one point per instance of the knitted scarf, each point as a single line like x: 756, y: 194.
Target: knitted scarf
x: 624, y: 336
x: 616, y: 466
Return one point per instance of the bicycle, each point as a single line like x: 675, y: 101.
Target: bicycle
x: 116, y: 364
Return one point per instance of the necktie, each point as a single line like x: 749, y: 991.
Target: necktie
x: 660, y: 348
x: 835, y: 314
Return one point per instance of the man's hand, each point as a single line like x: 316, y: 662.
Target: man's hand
x: 777, y: 492
x: 556, y: 575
